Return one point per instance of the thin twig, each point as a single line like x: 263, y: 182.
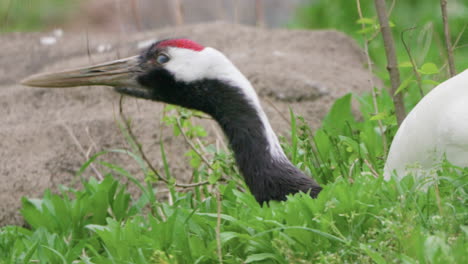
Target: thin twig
x: 93, y: 143
x: 135, y: 14
x: 374, y: 172
x: 178, y: 12
x: 462, y: 46
x: 219, y: 137
x: 83, y: 152
x: 413, y: 63
x: 137, y: 143
x: 259, y: 17
x: 143, y: 155
x: 351, y: 168
x: 277, y: 110
x: 437, y: 193
x: 120, y: 26
x: 448, y: 42
x: 7, y: 15
x: 88, y: 52
x: 192, y: 146
x: 392, y: 65
x: 371, y: 80
x: 459, y: 36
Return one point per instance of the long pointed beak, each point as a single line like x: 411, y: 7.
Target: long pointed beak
x: 114, y: 73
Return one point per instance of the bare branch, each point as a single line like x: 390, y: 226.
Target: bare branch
x: 83, y: 152
x: 192, y: 146
x: 413, y: 63
x: 285, y: 119
x: 374, y: 172
x: 374, y: 95
x: 178, y: 12
x: 448, y: 42
x: 135, y: 14
x: 259, y: 16
x: 392, y: 65
x: 143, y: 155
x: 459, y: 37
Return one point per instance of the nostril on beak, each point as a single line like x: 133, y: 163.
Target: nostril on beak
x: 95, y: 71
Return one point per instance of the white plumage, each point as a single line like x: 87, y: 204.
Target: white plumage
x: 437, y: 125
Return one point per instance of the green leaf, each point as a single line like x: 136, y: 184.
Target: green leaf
x: 366, y: 30
x: 260, y: 257
x: 429, y: 68
x: 430, y: 82
x: 30, y: 252
x: 340, y: 116
x: 366, y: 21
x: 379, y: 116
x: 404, y: 84
x: 214, y: 177
x: 405, y: 64
x: 64, y: 261
x: 373, y: 254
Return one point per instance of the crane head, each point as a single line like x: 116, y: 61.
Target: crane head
x: 175, y: 71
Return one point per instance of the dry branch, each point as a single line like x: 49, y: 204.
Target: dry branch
x: 413, y: 62
x: 259, y: 16
x: 392, y: 65
x: 374, y: 94
x: 448, y: 42
x: 178, y: 12
x: 143, y: 155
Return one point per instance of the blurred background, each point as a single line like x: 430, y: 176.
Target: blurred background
x: 134, y: 15
x: 419, y: 19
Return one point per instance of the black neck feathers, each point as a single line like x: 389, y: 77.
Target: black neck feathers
x: 268, y: 177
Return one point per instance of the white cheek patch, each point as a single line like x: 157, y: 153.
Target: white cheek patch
x: 188, y: 65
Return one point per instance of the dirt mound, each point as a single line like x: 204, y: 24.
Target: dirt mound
x: 46, y: 133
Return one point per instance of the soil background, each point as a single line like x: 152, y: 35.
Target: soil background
x: 47, y: 134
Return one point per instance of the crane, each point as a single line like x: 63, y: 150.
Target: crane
x: 183, y: 72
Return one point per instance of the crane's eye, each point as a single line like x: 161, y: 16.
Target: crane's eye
x: 162, y: 58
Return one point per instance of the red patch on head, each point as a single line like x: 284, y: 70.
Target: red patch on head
x: 181, y: 43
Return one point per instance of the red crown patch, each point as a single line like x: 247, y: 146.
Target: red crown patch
x: 181, y: 43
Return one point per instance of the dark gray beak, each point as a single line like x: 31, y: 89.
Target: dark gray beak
x: 118, y: 73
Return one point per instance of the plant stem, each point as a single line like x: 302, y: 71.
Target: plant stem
x: 392, y: 65
x: 189, y: 142
x: 178, y: 12
x: 413, y: 63
x: 374, y: 95
x: 143, y: 155
x: 448, y: 42
x: 218, y: 226
x: 259, y: 19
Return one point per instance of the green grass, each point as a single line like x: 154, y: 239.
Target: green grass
x: 32, y: 15
x: 357, y: 218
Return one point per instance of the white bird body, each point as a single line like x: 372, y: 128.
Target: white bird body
x: 437, y: 126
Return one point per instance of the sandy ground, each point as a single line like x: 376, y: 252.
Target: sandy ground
x: 43, y: 130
